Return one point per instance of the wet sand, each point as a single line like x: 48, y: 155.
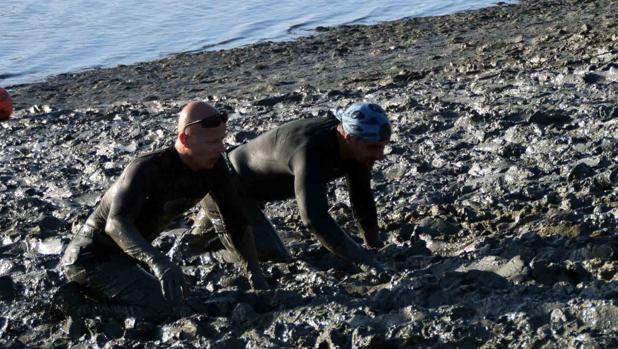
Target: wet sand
x: 497, y: 197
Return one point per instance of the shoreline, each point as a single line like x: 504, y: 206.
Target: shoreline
x: 496, y: 199
x: 414, y: 49
x: 201, y: 72
x: 22, y: 68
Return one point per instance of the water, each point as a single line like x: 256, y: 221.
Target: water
x: 42, y: 38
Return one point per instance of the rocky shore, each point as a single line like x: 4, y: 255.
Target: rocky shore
x: 497, y: 197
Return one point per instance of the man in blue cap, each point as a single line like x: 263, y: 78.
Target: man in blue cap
x: 298, y: 159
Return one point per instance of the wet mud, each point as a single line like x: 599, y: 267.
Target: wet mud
x: 496, y: 200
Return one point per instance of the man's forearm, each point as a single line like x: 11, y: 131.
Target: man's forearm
x: 313, y: 208
x: 243, y: 244
x: 129, y: 239
x: 370, y: 235
x: 364, y: 208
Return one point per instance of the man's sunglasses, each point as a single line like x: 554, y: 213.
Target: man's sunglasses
x: 211, y: 121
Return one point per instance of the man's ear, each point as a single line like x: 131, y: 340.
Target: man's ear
x: 183, y: 139
x: 345, y: 135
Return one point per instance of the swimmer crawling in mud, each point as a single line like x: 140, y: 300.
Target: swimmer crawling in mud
x: 299, y: 159
x: 111, y: 259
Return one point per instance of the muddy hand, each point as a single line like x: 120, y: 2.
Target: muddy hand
x: 378, y: 269
x: 173, y: 284
x: 258, y: 282
x: 372, y: 266
x: 372, y: 239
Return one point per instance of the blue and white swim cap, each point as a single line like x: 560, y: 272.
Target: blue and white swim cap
x: 367, y: 121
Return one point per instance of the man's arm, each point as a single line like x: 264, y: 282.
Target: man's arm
x: 313, y: 207
x: 237, y: 233
x: 363, y: 204
x: 127, y: 202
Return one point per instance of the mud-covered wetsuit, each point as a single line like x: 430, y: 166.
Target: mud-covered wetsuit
x: 299, y: 159
x: 108, y: 254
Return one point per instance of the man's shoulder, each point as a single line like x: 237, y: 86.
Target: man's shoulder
x: 321, y: 133
x: 320, y: 122
x: 152, y: 160
x: 153, y: 154
x: 310, y: 131
x: 295, y: 129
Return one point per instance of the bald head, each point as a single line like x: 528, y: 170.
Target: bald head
x: 200, y: 146
x: 194, y: 111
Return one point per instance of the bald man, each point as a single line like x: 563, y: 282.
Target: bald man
x: 111, y: 259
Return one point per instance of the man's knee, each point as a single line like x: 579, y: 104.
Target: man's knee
x: 75, y: 273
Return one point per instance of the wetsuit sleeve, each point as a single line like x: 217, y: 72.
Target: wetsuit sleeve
x: 363, y: 204
x: 313, y: 206
x: 126, y: 203
x: 237, y: 232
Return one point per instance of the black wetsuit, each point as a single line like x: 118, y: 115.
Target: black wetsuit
x: 299, y: 159
x: 107, y: 256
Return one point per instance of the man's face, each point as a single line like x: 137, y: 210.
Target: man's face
x: 367, y: 152
x: 205, y: 144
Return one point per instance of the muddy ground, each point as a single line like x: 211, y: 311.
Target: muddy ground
x: 497, y: 197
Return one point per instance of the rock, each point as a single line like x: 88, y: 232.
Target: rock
x: 419, y: 248
x: 603, y: 317
x: 549, y: 273
x: 331, y: 338
x: 6, y: 266
x: 436, y: 226
x: 112, y: 329
x: 183, y: 329
x: 244, y: 136
x: 557, y: 317
x: 271, y: 101
x: 368, y: 337
x: 243, y: 313
x: 592, y: 78
x: 406, y: 76
x: 579, y: 172
x: 606, y: 180
x: 50, y: 246
x: 549, y: 117
x: 50, y: 224
x: 139, y: 330
x: 229, y: 343
x: 514, y: 270
x: 7, y: 289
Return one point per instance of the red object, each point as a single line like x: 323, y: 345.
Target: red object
x: 6, y: 105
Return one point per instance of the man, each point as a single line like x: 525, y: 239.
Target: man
x: 109, y: 257
x: 299, y: 159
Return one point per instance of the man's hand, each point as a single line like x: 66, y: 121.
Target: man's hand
x: 256, y: 277
x: 258, y: 282
x: 173, y: 283
x: 373, y: 267
x: 378, y: 269
x: 372, y: 238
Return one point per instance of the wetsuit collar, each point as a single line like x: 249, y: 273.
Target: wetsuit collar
x: 179, y: 164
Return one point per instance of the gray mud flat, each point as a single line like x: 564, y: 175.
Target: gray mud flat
x: 497, y: 197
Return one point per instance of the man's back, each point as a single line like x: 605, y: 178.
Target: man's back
x: 268, y: 164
